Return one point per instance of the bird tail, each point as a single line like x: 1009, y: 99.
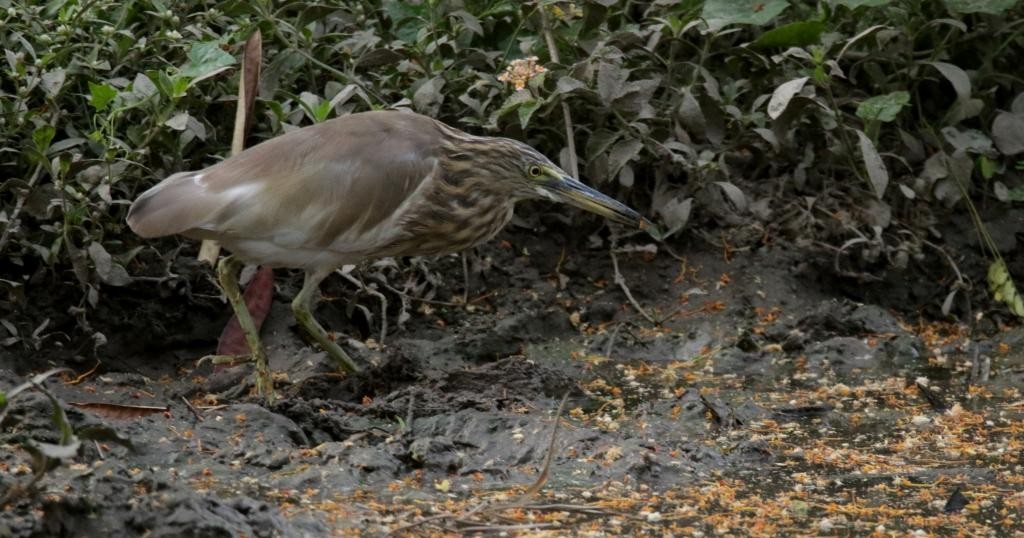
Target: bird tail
x: 173, y: 206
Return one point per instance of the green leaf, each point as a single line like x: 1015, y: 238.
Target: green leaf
x: 854, y: 4
x: 322, y: 111
x: 986, y: 166
x: 179, y: 86
x: 53, y: 81
x: 1008, y: 132
x: 401, y: 13
x: 42, y: 138
x: 101, y: 95
x: 163, y: 82
x: 992, y: 7
x: 794, y: 34
x: 62, y: 451
x: 36, y: 380
x: 57, y: 416
x: 878, y: 174
x: 205, y: 59
x: 883, y: 108
x: 783, y: 95
x: 967, y: 140
x: 1015, y: 194
x: 514, y: 101
x: 1001, y: 285
x: 956, y: 76
x: 143, y: 87
x: 526, y: 111
x: 623, y: 152
x: 720, y: 13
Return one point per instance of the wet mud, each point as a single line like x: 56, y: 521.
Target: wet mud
x: 764, y: 400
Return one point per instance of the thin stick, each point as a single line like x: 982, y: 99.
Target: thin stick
x: 383, y: 302
x: 545, y: 472
x: 252, y: 56
x: 83, y: 377
x: 435, y: 301
x: 15, y: 222
x: 621, y: 281
x: 438, y: 517
x: 465, y: 278
x: 474, y: 526
x: 195, y: 412
x: 949, y: 260
x: 570, y: 141
x: 611, y: 341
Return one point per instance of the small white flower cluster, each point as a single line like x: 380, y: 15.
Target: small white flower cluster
x: 519, y: 72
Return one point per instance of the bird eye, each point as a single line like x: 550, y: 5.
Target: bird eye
x: 534, y: 171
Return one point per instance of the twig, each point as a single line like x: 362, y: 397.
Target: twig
x: 474, y: 526
x: 611, y: 340
x: 248, y: 83
x: 195, y: 412
x: 295, y: 46
x: 447, y: 515
x: 82, y: 377
x: 546, y: 470
x: 465, y: 278
x: 14, y: 223
x: 578, y: 508
x: 375, y: 293
x: 866, y: 277
x: 621, y: 281
x: 435, y: 301
x: 949, y: 259
x: 570, y: 141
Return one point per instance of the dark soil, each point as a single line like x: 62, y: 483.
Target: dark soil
x: 766, y: 401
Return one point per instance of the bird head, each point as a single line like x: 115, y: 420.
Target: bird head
x: 529, y: 174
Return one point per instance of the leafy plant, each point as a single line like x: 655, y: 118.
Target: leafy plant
x: 46, y: 456
x: 841, y: 126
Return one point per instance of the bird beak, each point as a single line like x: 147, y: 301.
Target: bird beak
x: 572, y: 192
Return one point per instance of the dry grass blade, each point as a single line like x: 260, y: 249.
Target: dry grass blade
x: 252, y: 58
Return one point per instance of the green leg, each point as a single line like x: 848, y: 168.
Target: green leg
x: 227, y: 274
x: 301, y: 308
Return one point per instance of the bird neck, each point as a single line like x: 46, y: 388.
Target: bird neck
x: 451, y: 217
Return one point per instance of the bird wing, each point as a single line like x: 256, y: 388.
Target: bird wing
x: 338, y: 185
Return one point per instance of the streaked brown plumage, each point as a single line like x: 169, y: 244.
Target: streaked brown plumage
x: 359, y: 187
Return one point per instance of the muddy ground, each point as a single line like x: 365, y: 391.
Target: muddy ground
x: 770, y: 397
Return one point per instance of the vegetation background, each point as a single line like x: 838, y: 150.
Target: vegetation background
x: 866, y: 132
